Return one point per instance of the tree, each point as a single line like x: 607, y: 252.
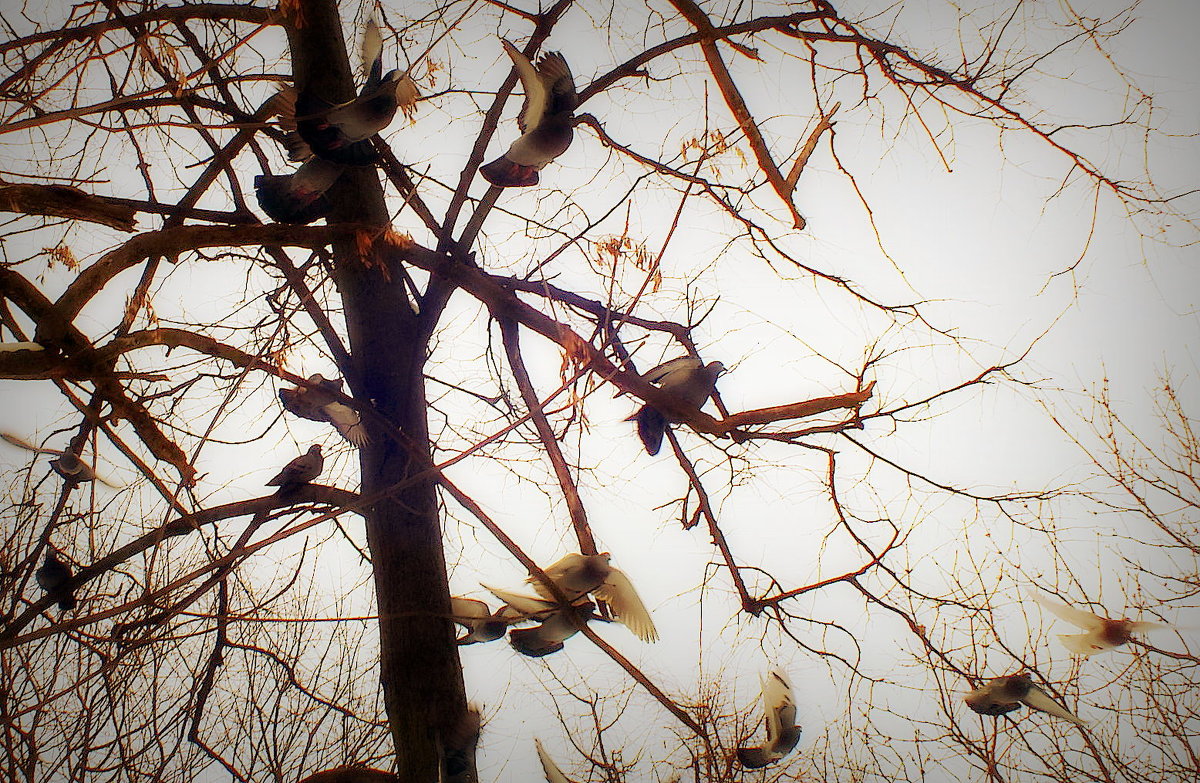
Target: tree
x: 481, y: 333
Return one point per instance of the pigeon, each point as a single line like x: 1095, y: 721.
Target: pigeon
x: 1102, y: 633
x: 458, y: 748
x: 1005, y: 694
x: 300, y: 471
x: 782, y: 731
x: 66, y: 464
x: 576, y: 575
x: 686, y: 378
x: 342, y: 132
x: 555, y: 623
x: 317, y: 403
x: 553, y: 773
x: 298, y: 198
x: 545, y: 120
x: 53, y: 577
x: 481, y: 623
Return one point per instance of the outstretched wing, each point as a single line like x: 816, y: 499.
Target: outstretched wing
x: 656, y: 374
x: 1079, y: 617
x: 1037, y: 699
x: 553, y: 773
x: 21, y: 443
x: 536, y: 95
x: 617, y: 591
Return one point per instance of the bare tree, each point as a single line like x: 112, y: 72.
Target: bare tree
x: 480, y: 334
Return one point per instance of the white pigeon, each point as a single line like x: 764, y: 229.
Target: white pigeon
x: 578, y: 574
x: 782, y: 731
x: 553, y: 773
x: 66, y: 463
x: 319, y: 403
x: 1102, y: 633
x: 1005, y: 694
x: 688, y: 379
x: 545, y: 121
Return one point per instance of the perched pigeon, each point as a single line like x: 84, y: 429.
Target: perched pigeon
x: 782, y: 731
x: 1102, y: 633
x: 577, y: 575
x: 545, y: 120
x: 300, y: 471
x: 555, y: 624
x: 342, y: 132
x: 317, y: 403
x: 298, y: 198
x: 53, y: 577
x: 67, y: 463
x: 481, y: 624
x: 1005, y: 694
x: 688, y: 379
x: 458, y: 748
x: 553, y: 773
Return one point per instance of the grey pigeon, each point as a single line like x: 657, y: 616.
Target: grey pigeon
x: 342, y: 132
x: 480, y: 622
x: 300, y: 471
x: 66, y: 463
x: 1005, y: 694
x: 556, y: 624
x: 53, y: 577
x: 782, y: 731
x: 545, y: 120
x: 577, y: 575
x: 689, y: 380
x: 318, y: 403
x: 1102, y: 633
x: 298, y: 198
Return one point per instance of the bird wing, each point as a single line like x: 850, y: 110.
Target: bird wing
x: 348, y: 422
x: 1079, y: 617
x: 1084, y: 644
x: 1141, y: 626
x: 779, y: 705
x: 657, y: 374
x: 618, y: 592
x: 527, y: 605
x: 553, y: 773
x: 558, y: 572
x: 560, y: 85
x: 536, y: 95
x: 21, y: 443
x: 372, y: 54
x: 468, y: 609
x: 1037, y: 699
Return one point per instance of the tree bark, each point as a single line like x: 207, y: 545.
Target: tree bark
x: 420, y: 671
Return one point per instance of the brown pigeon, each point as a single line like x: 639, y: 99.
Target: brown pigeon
x: 686, y: 378
x: 318, y: 403
x: 1005, y: 694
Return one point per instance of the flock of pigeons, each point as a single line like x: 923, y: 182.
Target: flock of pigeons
x: 327, y: 137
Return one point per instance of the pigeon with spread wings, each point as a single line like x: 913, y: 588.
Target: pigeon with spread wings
x: 782, y: 731
x: 578, y: 574
x: 1102, y: 633
x: 686, y: 378
x: 546, y: 122
x: 1005, y: 694
x: 66, y: 463
x: 319, y: 402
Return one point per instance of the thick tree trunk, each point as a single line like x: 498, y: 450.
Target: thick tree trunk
x: 419, y: 667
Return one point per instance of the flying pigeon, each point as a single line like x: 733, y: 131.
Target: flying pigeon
x: 1102, y: 633
x: 300, y: 471
x: 686, y: 378
x: 1005, y: 694
x: 53, y: 577
x: 555, y: 623
x: 577, y: 575
x: 545, y: 120
x: 553, y: 773
x: 66, y: 464
x: 782, y: 731
x: 342, y: 132
x: 298, y: 198
x: 317, y: 403
x: 481, y: 624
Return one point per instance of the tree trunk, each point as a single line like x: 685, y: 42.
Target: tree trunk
x: 419, y: 667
